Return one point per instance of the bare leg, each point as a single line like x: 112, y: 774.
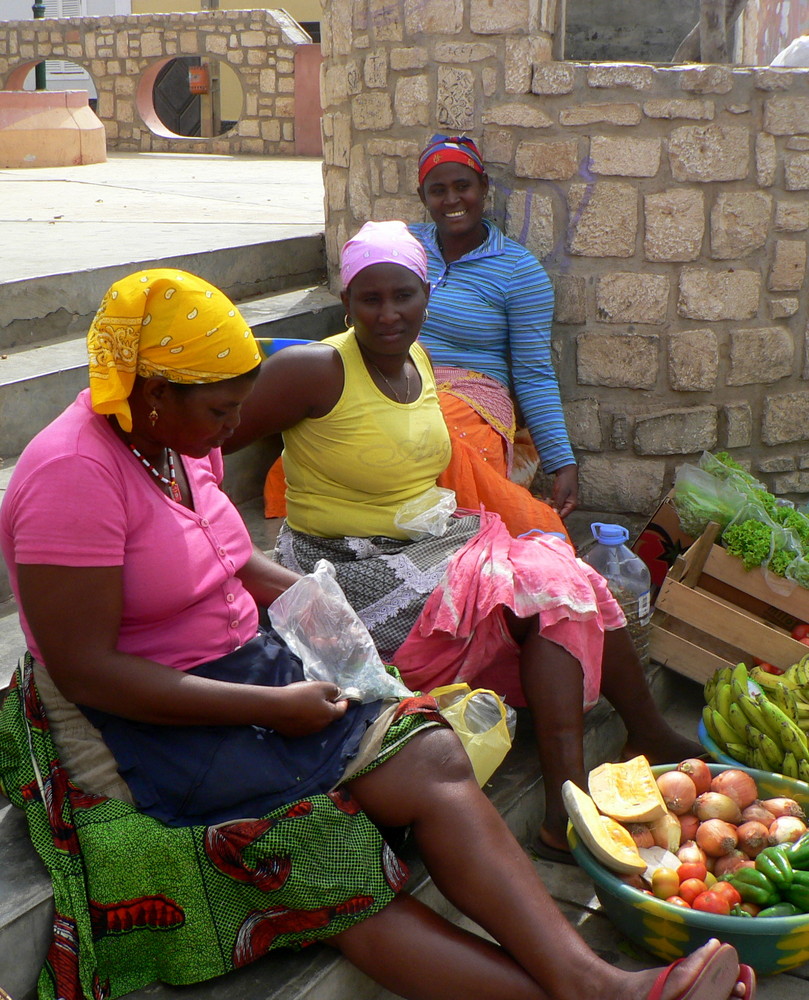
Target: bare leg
x: 478, y: 865
x: 623, y: 684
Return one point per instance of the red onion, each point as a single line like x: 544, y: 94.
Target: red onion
x: 736, y: 784
x: 753, y: 837
x: 716, y: 837
x: 698, y: 771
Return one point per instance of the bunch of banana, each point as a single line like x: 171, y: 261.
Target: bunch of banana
x: 790, y: 690
x: 759, y: 730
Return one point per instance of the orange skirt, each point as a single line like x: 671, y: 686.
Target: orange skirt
x: 477, y: 472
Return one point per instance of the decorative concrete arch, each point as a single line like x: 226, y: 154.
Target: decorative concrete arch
x: 121, y: 53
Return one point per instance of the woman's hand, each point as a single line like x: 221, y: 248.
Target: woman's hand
x: 565, y: 495
x: 305, y: 707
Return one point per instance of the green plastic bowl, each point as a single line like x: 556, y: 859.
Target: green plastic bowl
x: 772, y: 945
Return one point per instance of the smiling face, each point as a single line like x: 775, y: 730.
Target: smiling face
x: 386, y: 304
x: 194, y: 419
x: 455, y: 195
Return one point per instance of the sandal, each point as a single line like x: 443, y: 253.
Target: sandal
x: 716, y: 978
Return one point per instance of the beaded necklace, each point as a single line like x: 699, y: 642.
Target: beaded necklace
x: 171, y: 482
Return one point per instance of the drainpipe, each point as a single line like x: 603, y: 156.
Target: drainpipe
x: 39, y: 72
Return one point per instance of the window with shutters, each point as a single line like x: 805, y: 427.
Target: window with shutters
x: 61, y: 68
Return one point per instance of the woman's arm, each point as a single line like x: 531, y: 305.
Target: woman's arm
x: 264, y: 579
x: 295, y: 383
x: 75, y: 613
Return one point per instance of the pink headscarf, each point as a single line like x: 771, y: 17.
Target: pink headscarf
x: 382, y: 243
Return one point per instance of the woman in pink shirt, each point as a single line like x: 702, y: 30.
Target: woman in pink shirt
x: 224, y: 824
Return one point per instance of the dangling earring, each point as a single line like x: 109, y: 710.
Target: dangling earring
x: 153, y: 416
x: 347, y: 321
x: 426, y: 314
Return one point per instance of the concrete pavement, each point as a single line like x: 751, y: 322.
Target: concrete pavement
x: 147, y: 206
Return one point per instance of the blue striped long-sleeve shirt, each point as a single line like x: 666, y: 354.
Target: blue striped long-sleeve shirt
x: 490, y: 311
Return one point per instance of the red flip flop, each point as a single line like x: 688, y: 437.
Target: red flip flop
x: 747, y: 978
x: 714, y: 981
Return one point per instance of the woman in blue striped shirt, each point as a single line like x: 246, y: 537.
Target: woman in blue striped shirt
x: 488, y: 329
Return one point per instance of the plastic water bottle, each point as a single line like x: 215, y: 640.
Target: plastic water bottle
x: 628, y: 578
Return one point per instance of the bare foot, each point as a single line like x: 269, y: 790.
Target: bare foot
x: 709, y: 973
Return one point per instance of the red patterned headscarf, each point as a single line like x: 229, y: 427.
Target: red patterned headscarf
x: 449, y: 149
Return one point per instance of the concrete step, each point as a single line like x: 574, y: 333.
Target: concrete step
x: 54, y: 306
x: 36, y: 383
x: 316, y: 973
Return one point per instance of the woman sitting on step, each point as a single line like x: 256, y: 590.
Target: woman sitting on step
x: 196, y: 802
x: 363, y: 435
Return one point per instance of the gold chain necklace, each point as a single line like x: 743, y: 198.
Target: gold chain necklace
x: 390, y: 386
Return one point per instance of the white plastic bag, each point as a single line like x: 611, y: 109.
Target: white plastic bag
x: 426, y: 514
x: 318, y: 624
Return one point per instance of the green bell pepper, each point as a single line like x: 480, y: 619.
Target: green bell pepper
x: 737, y: 911
x: 754, y: 887
x: 798, y: 853
x: 798, y: 892
x: 775, y: 864
x: 782, y: 909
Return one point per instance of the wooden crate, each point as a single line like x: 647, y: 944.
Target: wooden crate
x: 711, y: 612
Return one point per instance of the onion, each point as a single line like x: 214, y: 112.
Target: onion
x: 690, y: 851
x: 667, y: 833
x: 715, y: 805
x: 698, y: 771
x: 641, y: 834
x: 753, y: 837
x: 784, y: 807
x: 729, y: 863
x: 756, y: 811
x: 716, y: 837
x: 689, y: 824
x: 737, y: 785
x: 678, y: 791
x: 786, y: 830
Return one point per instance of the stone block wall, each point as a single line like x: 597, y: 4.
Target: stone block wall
x: 669, y: 205
x: 123, y: 54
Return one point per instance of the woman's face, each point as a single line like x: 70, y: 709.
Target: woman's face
x: 195, y: 419
x: 455, y: 195
x: 386, y: 304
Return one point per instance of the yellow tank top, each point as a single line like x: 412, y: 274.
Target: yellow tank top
x: 349, y: 472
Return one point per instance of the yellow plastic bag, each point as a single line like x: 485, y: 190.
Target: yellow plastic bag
x: 483, y: 723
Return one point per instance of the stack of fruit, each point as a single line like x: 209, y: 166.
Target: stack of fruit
x: 761, y: 719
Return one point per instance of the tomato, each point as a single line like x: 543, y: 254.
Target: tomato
x: 711, y: 902
x: 768, y: 668
x: 730, y: 892
x: 665, y: 882
x: 801, y: 631
x: 691, y: 888
x: 678, y: 901
x: 804, y: 640
x: 693, y: 869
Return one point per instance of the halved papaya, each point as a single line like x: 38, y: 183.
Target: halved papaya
x: 608, y: 841
x: 627, y: 792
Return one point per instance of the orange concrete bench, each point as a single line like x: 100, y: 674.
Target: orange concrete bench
x: 44, y: 128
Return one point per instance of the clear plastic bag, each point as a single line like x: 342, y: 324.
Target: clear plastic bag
x: 318, y: 624
x: 427, y: 514
x: 700, y: 497
x: 483, y: 723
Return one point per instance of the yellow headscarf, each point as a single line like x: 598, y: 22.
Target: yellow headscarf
x: 164, y: 322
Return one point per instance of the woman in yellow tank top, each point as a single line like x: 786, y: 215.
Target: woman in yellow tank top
x: 363, y: 434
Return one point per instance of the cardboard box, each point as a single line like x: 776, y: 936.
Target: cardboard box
x: 661, y: 542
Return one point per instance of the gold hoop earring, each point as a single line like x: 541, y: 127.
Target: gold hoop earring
x: 347, y: 321
x: 153, y: 416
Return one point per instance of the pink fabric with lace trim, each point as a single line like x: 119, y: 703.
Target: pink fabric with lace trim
x: 461, y: 634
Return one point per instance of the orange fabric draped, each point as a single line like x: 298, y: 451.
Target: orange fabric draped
x: 476, y: 472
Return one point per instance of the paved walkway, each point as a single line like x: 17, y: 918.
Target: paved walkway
x: 142, y: 206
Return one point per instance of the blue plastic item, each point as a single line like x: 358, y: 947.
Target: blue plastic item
x: 272, y: 345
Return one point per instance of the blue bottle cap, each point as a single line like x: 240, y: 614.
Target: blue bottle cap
x: 609, y: 534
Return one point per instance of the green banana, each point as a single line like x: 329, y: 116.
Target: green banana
x: 741, y: 752
x: 803, y: 770
x: 784, y: 698
x: 770, y: 752
x: 798, y: 674
x: 727, y: 734
x: 707, y: 718
x: 740, y: 674
x: 765, y: 680
x: 723, y: 699
x: 759, y: 761
x: 789, y: 765
x: 751, y: 705
x: 737, y: 720
x: 781, y: 722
